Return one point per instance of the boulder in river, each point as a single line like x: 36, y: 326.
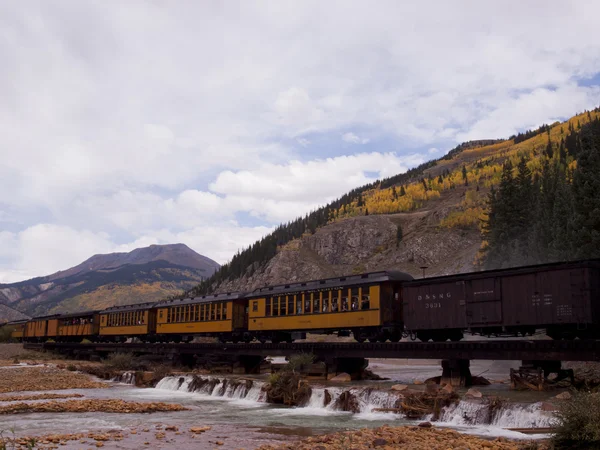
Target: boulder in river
x: 342, y: 377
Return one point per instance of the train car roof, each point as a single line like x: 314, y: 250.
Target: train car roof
x: 15, y: 322
x: 78, y: 314
x: 350, y: 280
x: 48, y: 317
x: 126, y: 308
x: 203, y: 299
x: 509, y: 271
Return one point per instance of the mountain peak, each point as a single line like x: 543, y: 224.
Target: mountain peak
x: 179, y: 254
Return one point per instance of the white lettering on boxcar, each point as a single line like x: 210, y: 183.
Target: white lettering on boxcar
x: 564, y: 310
x: 432, y: 305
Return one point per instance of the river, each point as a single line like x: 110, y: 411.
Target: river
x: 240, y: 418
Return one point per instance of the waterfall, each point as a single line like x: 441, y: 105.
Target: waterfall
x: 214, y: 387
x: 511, y: 415
x: 362, y: 401
x: 125, y: 378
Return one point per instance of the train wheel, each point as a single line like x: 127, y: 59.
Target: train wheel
x: 235, y: 340
x: 423, y: 337
x: 262, y: 340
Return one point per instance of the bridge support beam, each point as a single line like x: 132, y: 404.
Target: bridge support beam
x: 456, y: 372
x: 533, y: 375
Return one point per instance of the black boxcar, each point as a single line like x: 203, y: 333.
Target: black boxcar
x: 563, y: 298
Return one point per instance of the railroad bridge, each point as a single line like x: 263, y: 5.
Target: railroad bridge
x: 352, y: 357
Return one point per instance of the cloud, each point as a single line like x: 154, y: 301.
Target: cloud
x: 42, y: 248
x: 433, y: 151
x: 354, y: 139
x: 130, y: 123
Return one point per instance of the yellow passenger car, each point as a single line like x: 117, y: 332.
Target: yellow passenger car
x: 220, y: 315
x: 40, y: 329
x: 17, y: 329
x: 367, y: 305
x: 119, y: 323
x: 77, y: 326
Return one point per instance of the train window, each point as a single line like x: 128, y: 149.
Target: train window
x: 298, y: 304
x: 213, y: 312
x: 224, y: 311
x: 282, y: 305
x: 275, y: 306
x: 316, y: 303
x: 205, y: 312
x: 218, y: 314
x: 344, y: 303
x: 335, y: 301
x: 306, y: 303
x: 365, y: 298
x: 290, y: 302
x: 255, y: 306
x: 196, y: 313
x: 325, y: 301
x: 188, y: 311
x: 354, y: 303
x: 268, y: 306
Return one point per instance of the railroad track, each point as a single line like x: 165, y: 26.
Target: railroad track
x: 542, y: 350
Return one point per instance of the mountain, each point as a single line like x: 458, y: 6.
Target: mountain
x: 8, y: 314
x: 144, y: 274
x: 433, y: 216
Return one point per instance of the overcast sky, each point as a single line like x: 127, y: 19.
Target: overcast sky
x: 128, y: 123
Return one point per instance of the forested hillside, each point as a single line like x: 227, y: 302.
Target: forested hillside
x: 454, y: 190
x: 547, y: 208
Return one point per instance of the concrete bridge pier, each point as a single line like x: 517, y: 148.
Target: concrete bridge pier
x: 248, y: 364
x: 352, y: 366
x: 456, y: 372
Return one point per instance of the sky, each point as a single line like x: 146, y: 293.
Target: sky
x: 125, y: 124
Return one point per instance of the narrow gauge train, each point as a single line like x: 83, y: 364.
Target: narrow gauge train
x: 562, y: 298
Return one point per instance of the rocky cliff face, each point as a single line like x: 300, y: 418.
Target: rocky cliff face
x: 369, y: 243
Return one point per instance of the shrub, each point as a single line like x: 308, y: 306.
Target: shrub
x: 5, y: 333
x: 121, y: 361
x: 299, y: 360
x: 578, y: 422
x: 86, y: 341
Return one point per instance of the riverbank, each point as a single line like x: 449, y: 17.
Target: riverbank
x: 421, y: 437
x: 235, y: 410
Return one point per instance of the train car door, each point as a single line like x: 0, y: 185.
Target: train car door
x: 484, y: 301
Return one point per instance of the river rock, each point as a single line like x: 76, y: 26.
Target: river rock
x: 425, y: 425
x: 545, y: 406
x: 473, y: 393
x: 199, y: 429
x: 347, y: 402
x: 564, y: 396
x: 399, y: 387
x: 432, y: 388
x: 326, y: 398
x: 342, y: 377
x: 417, y: 382
x: 448, y: 389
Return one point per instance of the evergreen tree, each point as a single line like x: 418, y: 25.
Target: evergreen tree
x: 586, y: 196
x: 402, y: 191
